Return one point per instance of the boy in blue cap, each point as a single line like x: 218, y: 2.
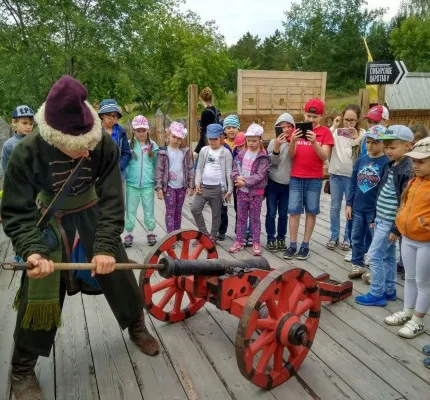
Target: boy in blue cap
x: 110, y: 113
x: 382, y: 252
x: 22, y: 121
x: 213, y: 182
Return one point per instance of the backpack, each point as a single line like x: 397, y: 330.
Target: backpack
x: 217, y: 114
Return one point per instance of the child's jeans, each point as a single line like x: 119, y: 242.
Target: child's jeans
x: 304, y: 196
x: 133, y: 198
x: 248, y: 206
x: 360, y: 234
x: 382, y: 257
x: 277, y: 203
x: 339, y: 186
x: 212, y: 195
x: 174, y: 199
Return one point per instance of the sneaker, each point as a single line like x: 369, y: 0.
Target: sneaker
x: 411, y: 330
x: 128, y: 240
x: 367, y: 277
x: 249, y: 242
x: 426, y: 349
x: 290, y: 253
x: 271, y: 245
x: 256, y: 249
x: 370, y: 300
x: 281, y: 244
x: 356, y: 271
x: 392, y: 296
x: 152, y: 239
x: 303, y: 254
x: 220, y: 237
x: 426, y: 362
x: 398, y: 318
x: 366, y: 260
x: 237, y: 246
x: 348, y: 256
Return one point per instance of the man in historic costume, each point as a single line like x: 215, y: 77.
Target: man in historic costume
x: 70, y: 130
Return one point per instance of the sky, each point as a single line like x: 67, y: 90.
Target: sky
x: 260, y: 17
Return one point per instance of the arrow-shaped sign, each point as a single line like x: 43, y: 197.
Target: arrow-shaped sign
x: 385, y: 72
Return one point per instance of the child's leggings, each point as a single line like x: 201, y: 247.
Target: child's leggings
x: 416, y: 259
x: 133, y: 198
x: 174, y: 199
x: 248, y: 206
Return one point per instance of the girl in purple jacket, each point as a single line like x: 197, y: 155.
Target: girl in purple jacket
x: 250, y: 171
x: 174, y: 175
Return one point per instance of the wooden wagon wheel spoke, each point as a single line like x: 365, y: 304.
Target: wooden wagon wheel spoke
x: 269, y: 324
x: 263, y: 340
x: 172, y: 306
x: 278, y: 359
x: 304, y: 307
x: 267, y: 354
x: 295, y: 295
x: 272, y: 307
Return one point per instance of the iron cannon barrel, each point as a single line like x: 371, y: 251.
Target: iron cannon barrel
x: 215, y: 267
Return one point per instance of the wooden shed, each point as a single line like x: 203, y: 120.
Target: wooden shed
x: 263, y: 95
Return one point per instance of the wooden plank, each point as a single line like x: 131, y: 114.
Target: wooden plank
x: 74, y: 366
x: 250, y: 73
x: 249, y: 83
x: 114, y: 372
x: 239, y: 91
x: 192, y: 114
x: 278, y: 91
x: 323, y: 86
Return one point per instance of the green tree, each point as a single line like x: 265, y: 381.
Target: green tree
x: 247, y: 48
x: 378, y: 40
x: 411, y: 43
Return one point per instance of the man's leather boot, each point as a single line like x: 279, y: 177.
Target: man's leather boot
x: 140, y: 335
x: 24, y: 382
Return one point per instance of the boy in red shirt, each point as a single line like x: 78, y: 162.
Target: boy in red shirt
x: 308, y: 155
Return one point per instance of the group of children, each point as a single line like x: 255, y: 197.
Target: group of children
x: 386, y: 185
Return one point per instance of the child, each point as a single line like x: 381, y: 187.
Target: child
x: 140, y: 180
x: 347, y: 137
x: 224, y: 207
x: 361, y: 201
x: 308, y: 154
x: 109, y: 113
x: 250, y: 176
x: 382, y: 252
x: 413, y: 220
x: 377, y: 115
x: 231, y: 127
x: 22, y: 122
x: 174, y: 177
x: 278, y: 189
x: 213, y: 183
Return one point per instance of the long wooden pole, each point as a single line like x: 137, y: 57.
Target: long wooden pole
x: 81, y: 266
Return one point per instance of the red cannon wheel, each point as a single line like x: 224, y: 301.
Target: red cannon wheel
x: 277, y: 327
x: 164, y: 298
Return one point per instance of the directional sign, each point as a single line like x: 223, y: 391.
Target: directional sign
x: 385, y: 72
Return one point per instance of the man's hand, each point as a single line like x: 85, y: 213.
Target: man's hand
x: 348, y: 212
x: 104, y: 265
x: 160, y: 194
x: 393, y: 237
x: 199, y: 189
x: 190, y: 192
x: 41, y: 267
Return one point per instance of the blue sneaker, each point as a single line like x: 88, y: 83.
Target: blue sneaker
x: 426, y: 362
x: 370, y: 300
x: 392, y: 296
x: 426, y: 349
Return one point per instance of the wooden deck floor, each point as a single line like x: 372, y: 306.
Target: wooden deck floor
x: 354, y: 356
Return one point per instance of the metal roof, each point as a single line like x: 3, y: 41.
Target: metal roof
x: 413, y: 93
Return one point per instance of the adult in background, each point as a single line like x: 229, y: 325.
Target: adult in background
x: 210, y: 115
x: 69, y: 133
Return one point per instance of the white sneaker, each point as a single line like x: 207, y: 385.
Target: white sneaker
x: 398, y: 318
x: 356, y: 271
x: 411, y: 330
x: 348, y: 256
x: 366, y: 260
x: 367, y: 277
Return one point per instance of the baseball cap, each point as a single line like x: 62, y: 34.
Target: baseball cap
x: 378, y: 113
x: 239, y: 140
x: 22, y: 111
x: 254, y: 130
x: 375, y: 132
x: 178, y: 129
x: 285, y: 117
x: 398, y: 132
x: 214, y: 131
x: 421, y: 149
x: 315, y: 106
x: 139, y: 121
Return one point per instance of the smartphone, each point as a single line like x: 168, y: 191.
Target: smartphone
x: 278, y: 130
x: 344, y: 132
x: 304, y: 127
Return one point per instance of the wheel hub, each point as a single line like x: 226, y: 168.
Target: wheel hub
x: 290, y: 331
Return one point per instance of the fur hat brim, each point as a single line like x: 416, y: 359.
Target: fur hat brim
x: 69, y: 142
